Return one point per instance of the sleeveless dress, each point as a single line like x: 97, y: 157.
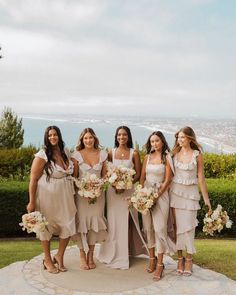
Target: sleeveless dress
x: 185, y: 199
x: 91, y: 225
x: 124, y: 235
x: 156, y: 220
x: 55, y: 200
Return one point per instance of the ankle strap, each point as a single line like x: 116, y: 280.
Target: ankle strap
x: 189, y: 259
x: 180, y: 258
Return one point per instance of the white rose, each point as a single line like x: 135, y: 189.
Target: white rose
x: 229, y: 224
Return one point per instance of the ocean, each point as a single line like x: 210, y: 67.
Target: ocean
x: 72, y: 125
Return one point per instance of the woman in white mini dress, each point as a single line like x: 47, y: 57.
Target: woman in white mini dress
x: 51, y: 191
x: 124, y: 235
x: 157, y: 172
x: 91, y: 224
x: 188, y: 163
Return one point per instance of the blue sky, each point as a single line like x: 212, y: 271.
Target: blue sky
x: 164, y: 58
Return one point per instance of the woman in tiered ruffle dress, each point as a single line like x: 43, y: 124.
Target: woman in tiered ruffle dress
x: 157, y: 172
x: 51, y: 192
x: 188, y: 163
x: 124, y: 235
x: 91, y: 224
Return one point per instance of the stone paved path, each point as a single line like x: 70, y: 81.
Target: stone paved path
x: 29, y: 278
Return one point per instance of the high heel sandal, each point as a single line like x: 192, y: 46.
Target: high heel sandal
x: 150, y: 269
x: 60, y: 267
x: 189, y: 272
x: 90, y: 261
x: 156, y: 276
x: 180, y: 270
x: 53, y: 270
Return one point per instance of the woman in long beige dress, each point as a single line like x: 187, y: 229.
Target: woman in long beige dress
x: 157, y: 172
x: 188, y: 163
x: 51, y: 191
x: 124, y: 238
x: 91, y: 224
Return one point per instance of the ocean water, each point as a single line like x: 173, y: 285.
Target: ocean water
x: 104, y: 128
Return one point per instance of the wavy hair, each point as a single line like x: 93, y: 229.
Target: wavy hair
x: 165, y: 146
x: 80, y: 145
x: 49, y: 150
x: 130, y: 141
x: 190, y: 134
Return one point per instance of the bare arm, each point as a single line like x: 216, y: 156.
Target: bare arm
x: 137, y: 166
x: 143, y: 172
x: 76, y: 168
x: 168, y: 177
x: 36, y: 172
x: 109, y: 158
x: 104, y: 169
x: 202, y: 182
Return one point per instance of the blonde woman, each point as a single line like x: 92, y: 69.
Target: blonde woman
x: 91, y: 224
x: 188, y: 163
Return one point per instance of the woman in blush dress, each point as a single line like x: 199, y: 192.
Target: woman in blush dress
x: 91, y: 223
x: 157, y: 172
x: 125, y: 238
x: 51, y: 191
x: 188, y: 163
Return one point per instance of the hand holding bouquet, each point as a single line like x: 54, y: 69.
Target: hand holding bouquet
x: 120, y: 177
x: 34, y: 222
x: 90, y: 187
x: 143, y: 199
x: 216, y: 221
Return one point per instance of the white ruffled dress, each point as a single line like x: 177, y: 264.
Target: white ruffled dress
x: 185, y: 199
x: 91, y: 224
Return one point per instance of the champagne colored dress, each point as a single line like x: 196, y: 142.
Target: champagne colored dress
x: 124, y: 235
x: 155, y: 221
x: 55, y: 200
x: 185, y: 199
x: 91, y: 225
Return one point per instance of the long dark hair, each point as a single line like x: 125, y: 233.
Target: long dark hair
x: 80, y: 144
x: 130, y: 141
x: 49, y: 151
x: 165, y: 147
x: 190, y: 134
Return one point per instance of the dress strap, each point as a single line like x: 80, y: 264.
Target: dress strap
x: 131, y: 152
x: 113, y: 154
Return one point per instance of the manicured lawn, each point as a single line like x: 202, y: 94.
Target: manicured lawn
x: 215, y: 254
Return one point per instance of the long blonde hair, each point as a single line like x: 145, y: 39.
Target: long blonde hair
x: 190, y: 134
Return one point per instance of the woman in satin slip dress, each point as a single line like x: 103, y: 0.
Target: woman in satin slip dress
x: 124, y: 236
x: 157, y: 172
x: 91, y: 224
x: 188, y: 163
x: 51, y: 191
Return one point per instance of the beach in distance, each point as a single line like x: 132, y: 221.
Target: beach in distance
x: 217, y: 136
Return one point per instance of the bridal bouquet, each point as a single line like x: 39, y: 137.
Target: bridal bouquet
x: 142, y: 199
x: 216, y: 221
x: 90, y: 187
x: 34, y: 222
x: 120, y: 177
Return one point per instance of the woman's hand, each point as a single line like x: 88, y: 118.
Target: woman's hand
x: 208, y: 204
x: 30, y: 207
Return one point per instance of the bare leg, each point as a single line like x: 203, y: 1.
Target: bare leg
x: 90, y: 260
x: 58, y: 258
x: 181, y: 262
x: 47, y: 262
x: 152, y: 260
x: 160, y: 267
x: 188, y: 265
x: 83, y: 260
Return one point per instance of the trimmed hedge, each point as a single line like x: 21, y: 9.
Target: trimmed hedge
x: 14, y: 198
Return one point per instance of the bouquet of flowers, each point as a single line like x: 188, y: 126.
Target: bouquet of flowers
x: 120, y: 177
x: 90, y: 187
x: 34, y: 222
x: 142, y: 199
x: 216, y: 221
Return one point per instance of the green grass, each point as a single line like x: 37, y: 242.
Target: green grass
x: 215, y: 254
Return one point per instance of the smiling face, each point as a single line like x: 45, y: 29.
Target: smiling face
x: 53, y: 137
x: 122, y: 136
x: 156, y: 143
x: 88, y: 140
x: 183, y: 140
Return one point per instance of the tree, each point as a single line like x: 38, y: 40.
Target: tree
x: 11, y: 132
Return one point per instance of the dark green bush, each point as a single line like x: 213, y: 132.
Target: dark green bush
x: 223, y: 192
x: 16, y: 163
